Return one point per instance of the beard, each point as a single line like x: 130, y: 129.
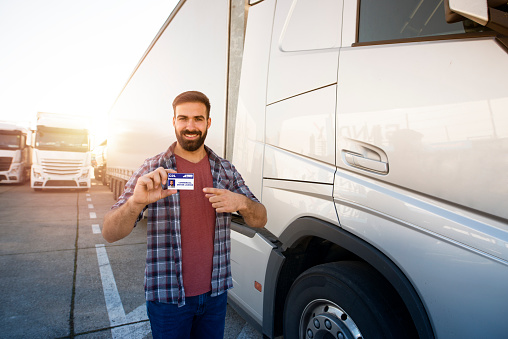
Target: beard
x: 191, y: 145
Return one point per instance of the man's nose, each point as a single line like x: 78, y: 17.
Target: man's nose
x: 191, y: 124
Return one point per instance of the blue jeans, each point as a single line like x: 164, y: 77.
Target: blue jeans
x: 202, y: 317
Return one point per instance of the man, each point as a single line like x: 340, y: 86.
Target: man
x: 188, y: 269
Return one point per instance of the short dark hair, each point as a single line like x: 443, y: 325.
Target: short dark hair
x: 192, y: 96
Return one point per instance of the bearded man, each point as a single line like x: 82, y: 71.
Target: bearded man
x: 188, y: 269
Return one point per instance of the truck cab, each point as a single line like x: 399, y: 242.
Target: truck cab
x: 61, y: 155
x: 15, y: 153
x: 376, y: 134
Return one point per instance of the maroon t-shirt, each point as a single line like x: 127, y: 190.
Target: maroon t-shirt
x: 197, y: 220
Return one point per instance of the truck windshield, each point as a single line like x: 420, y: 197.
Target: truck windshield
x: 10, y: 141
x: 61, y: 139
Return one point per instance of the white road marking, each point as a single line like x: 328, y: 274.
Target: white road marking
x: 248, y: 332
x: 88, y: 194
x: 88, y: 199
x: 90, y: 206
x: 93, y: 215
x: 96, y: 229
x: 114, y: 306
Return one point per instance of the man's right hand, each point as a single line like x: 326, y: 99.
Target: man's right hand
x: 119, y: 222
x: 150, y: 187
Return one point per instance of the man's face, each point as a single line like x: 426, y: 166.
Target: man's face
x: 191, y: 125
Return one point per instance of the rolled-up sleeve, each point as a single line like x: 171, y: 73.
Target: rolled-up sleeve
x: 129, y: 189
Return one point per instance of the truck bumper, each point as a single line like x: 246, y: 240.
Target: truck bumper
x: 40, y: 180
x: 6, y: 178
x: 13, y: 176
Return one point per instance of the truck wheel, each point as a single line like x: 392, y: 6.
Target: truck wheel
x: 116, y: 189
x: 345, y: 300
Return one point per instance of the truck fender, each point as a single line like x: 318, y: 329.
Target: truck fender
x: 276, y: 290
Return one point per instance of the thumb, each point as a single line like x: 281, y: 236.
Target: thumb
x: 168, y: 192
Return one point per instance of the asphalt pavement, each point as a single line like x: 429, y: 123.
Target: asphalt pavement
x: 60, y: 279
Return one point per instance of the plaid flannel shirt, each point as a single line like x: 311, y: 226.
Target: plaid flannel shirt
x: 163, y: 271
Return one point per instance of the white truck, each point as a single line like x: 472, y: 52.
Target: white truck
x: 99, y: 161
x: 376, y: 135
x: 61, y: 153
x: 15, y: 153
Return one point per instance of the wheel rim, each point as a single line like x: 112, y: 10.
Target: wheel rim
x: 323, y: 319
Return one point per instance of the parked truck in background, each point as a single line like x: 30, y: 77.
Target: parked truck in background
x: 376, y: 135
x: 99, y: 162
x: 15, y: 153
x: 61, y: 153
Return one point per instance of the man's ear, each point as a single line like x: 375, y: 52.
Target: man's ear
x: 209, y: 122
x: 174, y: 121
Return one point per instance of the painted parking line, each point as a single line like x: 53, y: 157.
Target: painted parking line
x: 139, y: 326
x: 93, y: 215
x: 96, y: 229
x: 90, y: 206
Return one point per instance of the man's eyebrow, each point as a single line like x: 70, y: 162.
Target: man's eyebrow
x: 186, y: 116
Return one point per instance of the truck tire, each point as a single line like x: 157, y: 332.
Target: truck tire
x: 114, y: 188
x: 121, y: 186
x: 104, y: 177
x: 345, y: 300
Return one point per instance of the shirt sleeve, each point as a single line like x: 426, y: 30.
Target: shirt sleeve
x: 129, y: 189
x: 239, y: 185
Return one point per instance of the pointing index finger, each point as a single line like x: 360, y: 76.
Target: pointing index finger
x: 212, y: 190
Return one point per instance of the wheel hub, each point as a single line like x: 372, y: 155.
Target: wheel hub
x: 323, y: 319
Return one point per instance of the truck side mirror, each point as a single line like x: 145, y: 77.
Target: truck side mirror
x: 483, y: 12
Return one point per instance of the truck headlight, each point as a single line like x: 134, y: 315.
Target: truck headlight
x: 84, y: 175
x: 37, y: 175
x: 14, y: 168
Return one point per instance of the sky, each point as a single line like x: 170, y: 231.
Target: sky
x: 72, y: 56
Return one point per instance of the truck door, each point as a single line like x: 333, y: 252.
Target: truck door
x: 300, y: 112
x: 422, y: 141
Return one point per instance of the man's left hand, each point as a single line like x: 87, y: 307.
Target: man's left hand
x: 225, y: 201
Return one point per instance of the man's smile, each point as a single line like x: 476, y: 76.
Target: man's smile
x: 191, y: 135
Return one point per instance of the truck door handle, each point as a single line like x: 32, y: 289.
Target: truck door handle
x: 358, y: 160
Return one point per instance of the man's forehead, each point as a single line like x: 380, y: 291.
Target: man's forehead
x: 194, y: 109
x: 197, y: 107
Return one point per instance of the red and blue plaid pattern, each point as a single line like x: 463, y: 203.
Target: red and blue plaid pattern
x: 163, y: 272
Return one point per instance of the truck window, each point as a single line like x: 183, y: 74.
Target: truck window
x: 393, y: 19
x: 61, y: 139
x: 10, y: 141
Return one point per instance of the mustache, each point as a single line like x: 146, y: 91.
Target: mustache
x: 186, y: 131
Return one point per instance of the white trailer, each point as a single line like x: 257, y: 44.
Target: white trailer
x: 61, y: 154
x: 375, y: 133
x: 15, y: 153
x: 193, y: 45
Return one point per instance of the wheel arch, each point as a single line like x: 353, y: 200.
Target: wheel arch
x: 291, y: 258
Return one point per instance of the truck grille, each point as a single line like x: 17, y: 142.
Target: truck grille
x: 5, y: 163
x: 61, y: 166
x: 60, y: 183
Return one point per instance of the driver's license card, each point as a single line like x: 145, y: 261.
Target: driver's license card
x: 181, y: 181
